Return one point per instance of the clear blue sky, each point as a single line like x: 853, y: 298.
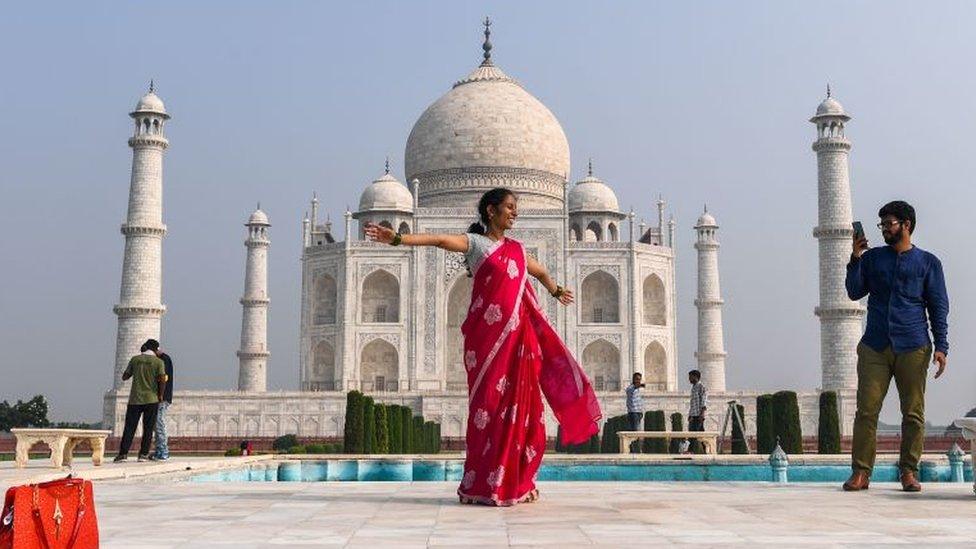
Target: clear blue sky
x: 703, y: 102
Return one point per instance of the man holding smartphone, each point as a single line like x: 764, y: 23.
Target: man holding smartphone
x: 635, y: 405
x: 903, y: 284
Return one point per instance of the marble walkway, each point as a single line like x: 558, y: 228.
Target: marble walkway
x: 156, y: 513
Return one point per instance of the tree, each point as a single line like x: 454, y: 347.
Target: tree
x: 369, y: 425
x: 654, y: 421
x: 786, y: 421
x: 406, y: 426
x: 354, y: 435
x: 382, y: 430
x: 739, y: 445
x: 765, y: 430
x: 828, y: 428
x: 32, y: 413
x: 677, y: 425
x: 418, y: 435
x: 394, y: 428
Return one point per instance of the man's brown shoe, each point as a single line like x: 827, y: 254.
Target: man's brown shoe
x: 908, y: 481
x: 859, y: 481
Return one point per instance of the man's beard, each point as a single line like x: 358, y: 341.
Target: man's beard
x: 893, y: 238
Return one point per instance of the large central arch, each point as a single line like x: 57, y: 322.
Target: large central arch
x: 601, y: 362
x: 381, y: 298
x: 458, y: 302
x: 379, y: 366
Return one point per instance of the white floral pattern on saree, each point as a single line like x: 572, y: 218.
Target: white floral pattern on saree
x: 468, y: 480
x: 495, y: 477
x: 470, y: 360
x: 502, y: 385
x: 493, y: 314
x: 513, y: 270
x: 481, y: 418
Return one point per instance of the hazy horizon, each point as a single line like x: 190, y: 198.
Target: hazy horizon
x: 703, y: 103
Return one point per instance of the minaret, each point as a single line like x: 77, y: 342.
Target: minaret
x: 711, y: 348
x: 140, y: 307
x: 254, y: 324
x: 840, y: 318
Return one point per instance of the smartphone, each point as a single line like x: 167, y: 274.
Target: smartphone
x: 858, y: 230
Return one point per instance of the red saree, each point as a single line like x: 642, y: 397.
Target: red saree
x: 513, y: 356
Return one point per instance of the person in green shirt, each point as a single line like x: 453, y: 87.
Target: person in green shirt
x: 148, y: 374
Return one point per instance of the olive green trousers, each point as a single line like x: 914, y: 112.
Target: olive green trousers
x: 874, y: 372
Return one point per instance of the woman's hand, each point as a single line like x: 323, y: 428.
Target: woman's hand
x: 566, y: 297
x: 379, y: 233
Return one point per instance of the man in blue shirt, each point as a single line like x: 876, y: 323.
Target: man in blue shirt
x: 906, y: 298
x: 635, y: 406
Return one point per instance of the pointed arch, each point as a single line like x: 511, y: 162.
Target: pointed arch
x: 612, y: 231
x: 601, y: 362
x: 655, y: 301
x: 594, y: 233
x: 379, y: 366
x: 656, y: 367
x: 324, y: 298
x: 380, y: 298
x: 322, y: 377
x: 404, y: 228
x: 575, y: 233
x: 600, y: 298
x: 458, y: 301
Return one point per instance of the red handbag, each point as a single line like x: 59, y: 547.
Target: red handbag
x: 52, y: 515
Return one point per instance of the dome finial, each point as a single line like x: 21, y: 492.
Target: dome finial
x: 259, y: 204
x: 589, y: 168
x: 487, y: 45
x: 387, y: 165
x: 706, y: 207
x: 152, y: 85
x: 828, y: 89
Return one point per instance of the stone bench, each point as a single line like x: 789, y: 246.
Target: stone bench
x: 709, y: 439
x: 62, y: 443
x: 968, y: 426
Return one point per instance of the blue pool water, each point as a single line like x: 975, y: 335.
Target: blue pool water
x: 406, y: 470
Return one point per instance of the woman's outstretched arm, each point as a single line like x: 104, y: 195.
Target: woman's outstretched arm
x: 539, y: 272
x: 449, y: 242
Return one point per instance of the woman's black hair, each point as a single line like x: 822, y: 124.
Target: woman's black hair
x: 493, y: 197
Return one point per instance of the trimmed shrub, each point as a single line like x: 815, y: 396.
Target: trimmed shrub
x: 739, y: 445
x: 765, y: 430
x: 297, y: 450
x: 786, y: 421
x: 369, y: 426
x: 828, y: 430
x: 382, y: 430
x: 437, y: 438
x: 233, y: 452
x: 394, y: 429
x: 610, y: 443
x: 316, y: 449
x: 353, y: 435
x: 407, y: 430
x: 284, y: 442
x: 428, y: 437
x: 559, y: 442
x: 417, y: 423
x: 677, y: 424
x: 654, y: 421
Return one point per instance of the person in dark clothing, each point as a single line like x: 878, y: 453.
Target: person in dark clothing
x: 148, y: 374
x: 162, y: 440
x: 907, y: 297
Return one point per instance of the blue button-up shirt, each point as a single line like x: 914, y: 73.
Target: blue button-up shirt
x: 635, y: 401
x: 901, y: 288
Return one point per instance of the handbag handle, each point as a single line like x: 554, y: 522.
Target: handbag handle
x: 39, y: 522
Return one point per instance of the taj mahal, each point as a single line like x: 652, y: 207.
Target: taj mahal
x: 386, y: 320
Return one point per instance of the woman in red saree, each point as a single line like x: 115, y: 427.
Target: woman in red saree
x: 512, y: 356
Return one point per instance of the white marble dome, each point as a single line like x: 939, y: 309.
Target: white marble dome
x: 591, y: 194
x: 258, y: 218
x: 830, y: 106
x: 150, y: 103
x: 706, y: 220
x: 487, y: 131
x: 385, y: 194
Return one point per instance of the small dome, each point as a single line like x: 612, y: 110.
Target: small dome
x: 706, y: 220
x: 591, y: 194
x: 386, y: 193
x: 258, y: 218
x: 150, y: 103
x: 830, y: 106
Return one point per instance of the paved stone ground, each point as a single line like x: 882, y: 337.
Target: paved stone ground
x: 153, y: 513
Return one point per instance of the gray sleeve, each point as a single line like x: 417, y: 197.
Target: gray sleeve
x: 477, y: 247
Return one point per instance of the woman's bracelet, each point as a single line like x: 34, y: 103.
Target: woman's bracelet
x: 397, y: 238
x: 559, y: 291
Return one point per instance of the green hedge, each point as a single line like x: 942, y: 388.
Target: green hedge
x: 739, y: 445
x: 233, y: 452
x: 677, y: 424
x: 828, y: 431
x: 284, y: 442
x: 765, y: 429
x: 590, y: 446
x: 406, y: 426
x: 655, y: 421
x: 394, y: 428
x: 382, y: 430
x: 419, y: 445
x: 786, y: 421
x: 610, y: 443
x: 298, y: 449
x: 369, y: 426
x: 353, y: 434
